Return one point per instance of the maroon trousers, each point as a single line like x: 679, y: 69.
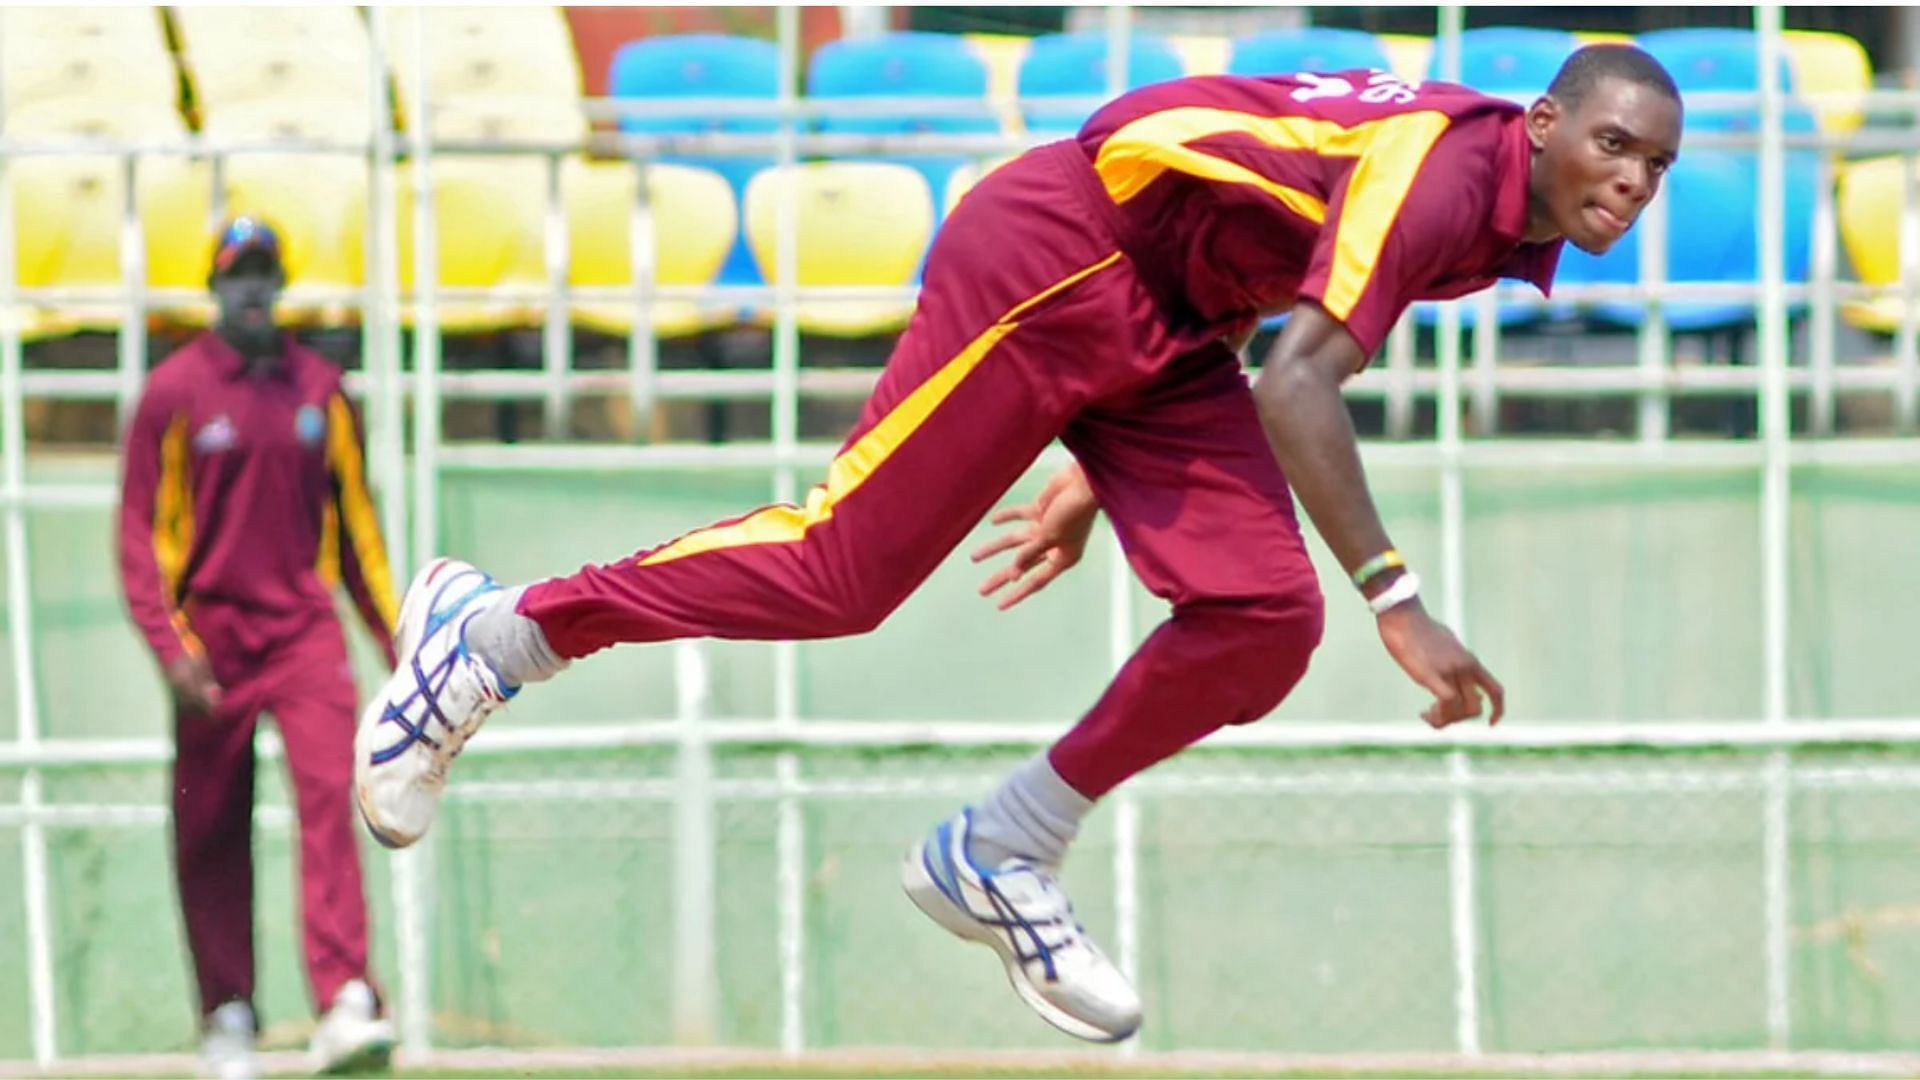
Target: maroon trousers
x: 1032, y: 325
x: 307, y: 685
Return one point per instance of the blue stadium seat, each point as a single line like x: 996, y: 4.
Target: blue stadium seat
x: 1710, y: 238
x: 703, y: 66
x: 1704, y: 60
x: 1075, y: 65
x: 901, y: 67
x: 1315, y: 48
x: 1512, y: 61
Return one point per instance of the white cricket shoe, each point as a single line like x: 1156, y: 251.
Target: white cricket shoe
x: 435, y: 700
x: 226, y: 1046
x: 351, y: 1036
x: 1020, y: 910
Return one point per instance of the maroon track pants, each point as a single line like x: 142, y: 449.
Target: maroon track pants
x: 1031, y: 326
x: 308, y: 687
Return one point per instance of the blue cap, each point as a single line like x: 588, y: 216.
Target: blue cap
x: 241, y: 235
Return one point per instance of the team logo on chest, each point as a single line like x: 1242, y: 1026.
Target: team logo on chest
x: 310, y: 424
x: 214, y: 436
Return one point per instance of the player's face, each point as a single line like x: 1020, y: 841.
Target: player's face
x: 246, y: 294
x: 1597, y: 166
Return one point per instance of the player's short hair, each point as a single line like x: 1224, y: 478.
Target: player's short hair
x: 1589, y: 65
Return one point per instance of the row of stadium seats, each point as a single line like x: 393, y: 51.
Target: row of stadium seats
x: 514, y: 74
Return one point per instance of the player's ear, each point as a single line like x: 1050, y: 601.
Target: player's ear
x: 1541, y: 117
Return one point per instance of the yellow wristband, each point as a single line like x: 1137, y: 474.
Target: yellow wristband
x: 1387, y: 560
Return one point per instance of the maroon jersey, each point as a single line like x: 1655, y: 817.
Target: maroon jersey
x: 247, y: 491
x: 1353, y: 189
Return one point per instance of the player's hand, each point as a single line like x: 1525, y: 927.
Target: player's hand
x: 1430, y: 654
x: 194, y: 688
x: 1051, y: 537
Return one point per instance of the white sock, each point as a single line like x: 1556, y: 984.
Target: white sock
x: 1034, y: 815
x: 513, y: 643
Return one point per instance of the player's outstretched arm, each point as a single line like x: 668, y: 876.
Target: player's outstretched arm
x: 1298, y: 395
x: 1050, y: 537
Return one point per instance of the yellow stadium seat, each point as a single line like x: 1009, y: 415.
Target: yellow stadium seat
x: 1868, y: 206
x: 1830, y: 63
x: 508, y: 119
x: 1602, y: 37
x: 69, y: 213
x: 66, y: 26
x: 1002, y: 53
x: 694, y: 226
x: 1408, y: 54
x: 488, y: 53
x: 126, y: 72
x: 327, y: 28
x: 1202, y: 54
x: 859, y: 223
x: 95, y: 118
x: 278, y: 72
x: 282, y: 76
x: 488, y: 224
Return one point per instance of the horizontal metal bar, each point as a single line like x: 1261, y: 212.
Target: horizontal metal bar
x: 1395, y: 734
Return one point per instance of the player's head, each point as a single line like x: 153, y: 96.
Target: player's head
x: 1603, y: 136
x: 246, y: 277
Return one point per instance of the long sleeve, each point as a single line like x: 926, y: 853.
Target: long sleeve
x: 355, y: 525
x: 156, y: 525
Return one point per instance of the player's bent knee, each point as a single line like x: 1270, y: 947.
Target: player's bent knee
x: 1280, y: 635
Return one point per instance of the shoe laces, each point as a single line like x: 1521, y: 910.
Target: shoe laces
x: 1037, y: 918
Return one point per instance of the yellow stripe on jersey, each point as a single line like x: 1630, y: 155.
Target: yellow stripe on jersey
x: 173, y: 510
x: 173, y: 528
x: 1376, y: 188
x: 1141, y: 151
x: 356, y: 508
x: 784, y: 524
x: 1388, y: 152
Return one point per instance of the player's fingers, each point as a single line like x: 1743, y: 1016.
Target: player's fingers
x: 1007, y: 515
x: 1031, y: 584
x: 1000, y: 543
x: 999, y: 579
x: 1495, y: 692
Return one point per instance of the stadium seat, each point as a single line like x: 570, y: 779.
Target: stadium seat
x: 489, y: 219
x: 695, y: 221
x: 322, y: 74
x: 1407, y: 53
x: 68, y: 215
x: 1202, y: 54
x: 703, y: 66
x: 901, y: 67
x: 81, y: 73
x: 1511, y: 61
x: 1514, y: 62
x: 1315, y: 48
x: 1869, y: 197
x: 1075, y: 66
x: 1708, y: 60
x: 489, y: 52
x: 1003, y: 54
x: 66, y: 53
x: 860, y: 223
x: 1710, y: 238
x: 1830, y: 63
x: 492, y: 74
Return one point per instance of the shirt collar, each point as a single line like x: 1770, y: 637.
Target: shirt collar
x: 1528, y: 262
x: 230, y: 365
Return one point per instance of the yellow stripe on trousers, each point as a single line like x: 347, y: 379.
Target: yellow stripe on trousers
x: 785, y: 523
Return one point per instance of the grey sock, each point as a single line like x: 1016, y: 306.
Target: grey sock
x: 513, y: 643
x: 1033, y: 815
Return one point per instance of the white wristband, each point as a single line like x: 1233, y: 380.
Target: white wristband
x: 1404, y: 588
